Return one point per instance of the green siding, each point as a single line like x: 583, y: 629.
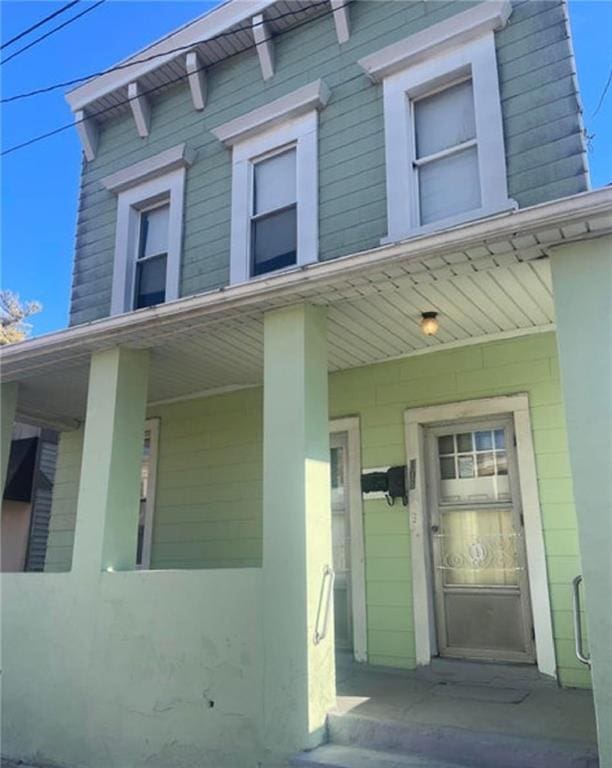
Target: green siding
x: 208, y: 512
x: 541, y: 123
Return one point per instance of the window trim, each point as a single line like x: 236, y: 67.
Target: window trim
x: 151, y: 426
x: 475, y: 60
x: 144, y: 185
x: 301, y: 133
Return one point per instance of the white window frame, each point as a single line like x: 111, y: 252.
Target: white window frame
x: 416, y: 420
x: 142, y: 186
x: 152, y: 427
x: 477, y: 61
x: 289, y: 121
x: 299, y: 133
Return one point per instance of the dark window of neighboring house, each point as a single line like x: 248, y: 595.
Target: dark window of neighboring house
x: 150, y: 278
x: 274, y: 217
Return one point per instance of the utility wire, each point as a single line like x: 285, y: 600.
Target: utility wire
x: 603, y: 94
x: 177, y: 79
x: 152, y: 57
x: 88, y: 9
x: 38, y: 24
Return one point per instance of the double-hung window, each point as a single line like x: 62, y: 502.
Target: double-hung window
x: 149, y: 232
x: 274, y: 213
x: 444, y: 143
x: 152, y: 257
x: 446, y: 153
x: 275, y: 187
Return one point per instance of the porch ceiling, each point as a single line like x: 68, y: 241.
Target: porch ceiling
x: 486, y: 279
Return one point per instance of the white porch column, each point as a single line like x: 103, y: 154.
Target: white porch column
x: 107, y: 509
x: 582, y: 280
x: 8, y: 405
x: 299, y: 681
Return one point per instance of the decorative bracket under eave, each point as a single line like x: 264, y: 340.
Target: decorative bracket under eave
x: 341, y: 20
x: 141, y: 109
x: 265, y: 47
x: 88, y: 133
x: 197, y: 80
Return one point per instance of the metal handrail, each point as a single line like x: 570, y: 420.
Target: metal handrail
x: 580, y: 655
x: 327, y: 580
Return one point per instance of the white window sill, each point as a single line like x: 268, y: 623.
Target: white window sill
x: 455, y: 221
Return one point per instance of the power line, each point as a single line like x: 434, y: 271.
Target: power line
x: 38, y: 24
x: 152, y: 57
x: 177, y: 79
x: 603, y: 95
x: 52, y: 31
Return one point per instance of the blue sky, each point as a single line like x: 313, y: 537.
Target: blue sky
x: 39, y: 185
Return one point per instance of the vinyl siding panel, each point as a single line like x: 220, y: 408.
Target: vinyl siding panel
x: 542, y: 128
x: 209, y: 484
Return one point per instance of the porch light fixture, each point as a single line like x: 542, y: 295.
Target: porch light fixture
x: 429, y: 323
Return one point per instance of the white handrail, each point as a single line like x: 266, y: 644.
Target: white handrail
x: 580, y: 655
x: 327, y: 583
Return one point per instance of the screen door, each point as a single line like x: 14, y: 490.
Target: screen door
x: 477, y: 543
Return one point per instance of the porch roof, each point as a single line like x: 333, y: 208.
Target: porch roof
x: 488, y: 279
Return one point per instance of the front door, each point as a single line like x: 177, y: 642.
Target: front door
x: 341, y: 540
x: 480, y: 581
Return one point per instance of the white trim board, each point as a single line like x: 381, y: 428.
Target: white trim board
x: 296, y: 104
x: 415, y: 422
x: 450, y: 33
x: 350, y: 425
x: 180, y: 156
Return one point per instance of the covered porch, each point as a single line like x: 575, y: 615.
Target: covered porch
x: 219, y: 651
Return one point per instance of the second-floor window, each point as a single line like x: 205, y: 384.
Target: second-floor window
x: 274, y: 213
x: 149, y: 229
x: 445, y: 153
x: 152, y: 257
x: 444, y: 144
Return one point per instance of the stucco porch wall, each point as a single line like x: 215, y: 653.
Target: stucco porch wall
x: 139, y: 668
x: 208, y: 505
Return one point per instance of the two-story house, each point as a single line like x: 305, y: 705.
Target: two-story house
x: 337, y: 386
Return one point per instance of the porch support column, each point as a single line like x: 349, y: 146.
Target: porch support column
x: 299, y: 684
x: 109, y: 490
x: 8, y: 406
x: 582, y: 281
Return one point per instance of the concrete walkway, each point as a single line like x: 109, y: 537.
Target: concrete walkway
x: 505, y: 699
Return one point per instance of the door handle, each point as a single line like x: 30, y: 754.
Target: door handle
x: 435, y: 528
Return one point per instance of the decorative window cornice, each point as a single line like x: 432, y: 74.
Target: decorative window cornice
x: 309, y: 97
x: 463, y: 27
x: 181, y: 156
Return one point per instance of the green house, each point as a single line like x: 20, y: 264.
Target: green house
x: 334, y: 403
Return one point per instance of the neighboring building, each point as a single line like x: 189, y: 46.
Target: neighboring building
x: 279, y: 203
x: 26, y: 503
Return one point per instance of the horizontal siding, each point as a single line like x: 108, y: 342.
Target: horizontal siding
x: 209, y: 486
x: 541, y: 124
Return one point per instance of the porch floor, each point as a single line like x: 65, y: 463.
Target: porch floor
x: 505, y: 699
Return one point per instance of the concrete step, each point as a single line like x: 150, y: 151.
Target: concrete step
x: 338, y: 756
x: 467, y: 747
